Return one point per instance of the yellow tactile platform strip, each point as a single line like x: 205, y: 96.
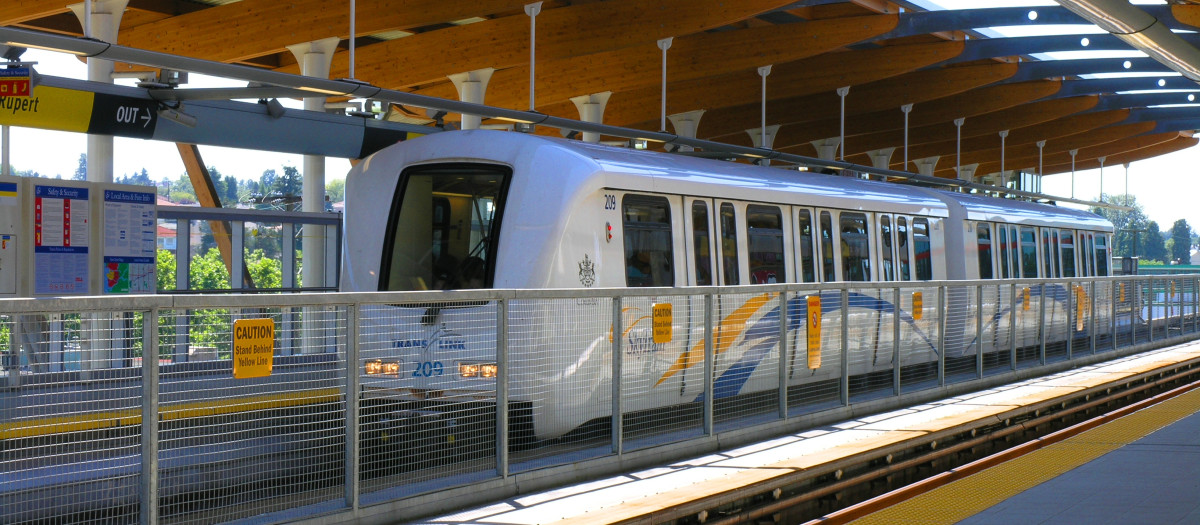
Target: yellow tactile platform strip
x: 966, y: 497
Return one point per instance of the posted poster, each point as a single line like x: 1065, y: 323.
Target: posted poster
x: 60, y: 240
x: 130, y: 221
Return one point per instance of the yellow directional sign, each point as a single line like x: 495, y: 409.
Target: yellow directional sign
x: 253, y: 348
x: 62, y: 109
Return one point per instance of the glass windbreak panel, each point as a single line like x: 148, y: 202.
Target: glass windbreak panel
x: 808, y: 269
x: 1068, y: 254
x: 441, y: 231
x: 885, y: 245
x: 922, y: 251
x: 827, y: 265
x: 1002, y: 249
x: 764, y: 233
x: 1101, y: 255
x: 983, y: 238
x: 902, y: 246
x: 729, y: 260
x: 647, y: 229
x: 856, y: 246
x: 1029, y: 259
x: 700, y: 243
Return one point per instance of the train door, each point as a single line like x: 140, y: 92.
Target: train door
x: 768, y: 239
x: 701, y: 252
x: 1005, y: 271
x: 983, y: 243
x: 1029, y: 253
x: 887, y: 248
x: 903, y: 249
x: 1066, y: 250
x: 807, y: 256
x: 728, y: 220
x: 1102, y: 259
x: 826, y: 236
x: 854, y: 238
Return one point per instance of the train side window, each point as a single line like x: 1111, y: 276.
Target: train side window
x: 885, y: 248
x: 1054, y: 262
x: 856, y: 246
x: 921, y: 249
x: 1101, y: 255
x: 902, y: 247
x: 1047, y: 268
x: 700, y: 242
x: 1068, y: 253
x: 808, y: 270
x: 1029, y: 258
x: 647, y: 231
x: 729, y: 255
x: 983, y: 237
x: 442, y: 226
x: 1014, y: 250
x: 827, y: 265
x: 1086, y: 251
x: 764, y: 234
x: 1002, y: 249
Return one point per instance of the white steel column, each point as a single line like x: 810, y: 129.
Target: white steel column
x: 591, y: 109
x: 763, y: 72
x: 906, y: 109
x: 472, y: 87
x: 104, y: 19
x: 1041, y: 144
x: 1073, y: 153
x: 1003, y: 178
x: 314, y: 58
x: 685, y: 125
x: 958, y: 124
x: 532, y: 10
x: 1127, y: 181
x: 1102, y: 159
x: 5, y: 146
x: 842, y: 92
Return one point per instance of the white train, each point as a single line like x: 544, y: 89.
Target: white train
x: 491, y: 209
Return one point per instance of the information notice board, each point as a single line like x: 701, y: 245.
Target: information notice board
x: 60, y: 239
x: 130, y: 219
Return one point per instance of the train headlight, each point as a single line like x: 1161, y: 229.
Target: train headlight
x: 391, y: 368
x: 484, y: 370
x: 373, y: 367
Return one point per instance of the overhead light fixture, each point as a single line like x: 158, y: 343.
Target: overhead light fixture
x: 45, y: 48
x: 178, y: 117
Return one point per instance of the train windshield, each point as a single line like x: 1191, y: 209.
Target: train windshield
x: 441, y: 232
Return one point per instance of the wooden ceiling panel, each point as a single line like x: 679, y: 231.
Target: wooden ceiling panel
x: 1109, y: 149
x: 1019, y: 156
x: 1156, y: 150
x: 13, y: 12
x: 690, y: 57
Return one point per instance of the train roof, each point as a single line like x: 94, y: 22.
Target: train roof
x: 983, y: 208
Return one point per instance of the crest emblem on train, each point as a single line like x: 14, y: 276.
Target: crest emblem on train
x: 587, y: 272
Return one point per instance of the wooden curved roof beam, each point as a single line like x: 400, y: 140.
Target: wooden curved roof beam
x: 639, y: 108
x: 989, y: 143
x: 1109, y: 149
x: 918, y: 86
x: 1187, y: 14
x: 690, y: 57
x: 251, y: 28
x: 1156, y: 150
x: 934, y: 140
x: 13, y: 13
x: 563, y: 32
x: 942, y: 111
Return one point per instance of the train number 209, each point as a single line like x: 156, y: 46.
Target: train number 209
x: 610, y: 202
x: 429, y: 369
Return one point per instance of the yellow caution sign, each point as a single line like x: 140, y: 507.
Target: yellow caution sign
x: 253, y: 348
x: 1172, y: 289
x: 1025, y: 299
x: 1121, y: 292
x: 664, y: 323
x: 814, y: 331
x: 918, y: 308
x: 1081, y: 300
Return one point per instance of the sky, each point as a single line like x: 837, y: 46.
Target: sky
x: 1167, y: 186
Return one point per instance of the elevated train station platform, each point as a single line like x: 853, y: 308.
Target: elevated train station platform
x: 1136, y: 464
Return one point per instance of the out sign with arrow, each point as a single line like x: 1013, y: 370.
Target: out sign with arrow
x: 123, y: 116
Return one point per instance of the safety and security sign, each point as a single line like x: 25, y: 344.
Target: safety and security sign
x: 81, y: 112
x: 61, y: 240
x: 16, y: 82
x: 664, y: 323
x: 814, y: 331
x: 253, y: 348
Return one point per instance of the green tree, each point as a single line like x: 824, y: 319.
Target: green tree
x: 1154, y: 246
x: 81, y: 171
x: 1125, y: 223
x: 165, y: 270
x: 1181, y: 248
x: 336, y: 189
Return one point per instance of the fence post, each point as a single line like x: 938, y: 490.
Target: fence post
x: 1070, y: 315
x: 1042, y: 328
x: 783, y: 352
x: 1092, y: 316
x: 1150, y: 311
x: 353, y: 488
x: 149, y: 482
x: 941, y: 335
x: 617, y: 335
x: 896, y: 343
x: 708, y: 364
x: 502, y: 375
x: 1113, y: 290
x: 979, y: 331
x: 845, y: 386
x: 1012, y: 325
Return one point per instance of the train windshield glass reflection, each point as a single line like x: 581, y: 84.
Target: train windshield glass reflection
x: 648, y: 257
x: 442, y: 231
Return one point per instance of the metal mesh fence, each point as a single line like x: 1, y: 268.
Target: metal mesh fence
x: 870, y: 351
x: 815, y: 382
x: 662, y: 374
x: 242, y: 433
x: 919, y: 346
x: 71, y: 434
x: 745, y: 357
x: 427, y: 408
x: 961, y: 341
x: 997, y: 321
x: 560, y: 386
